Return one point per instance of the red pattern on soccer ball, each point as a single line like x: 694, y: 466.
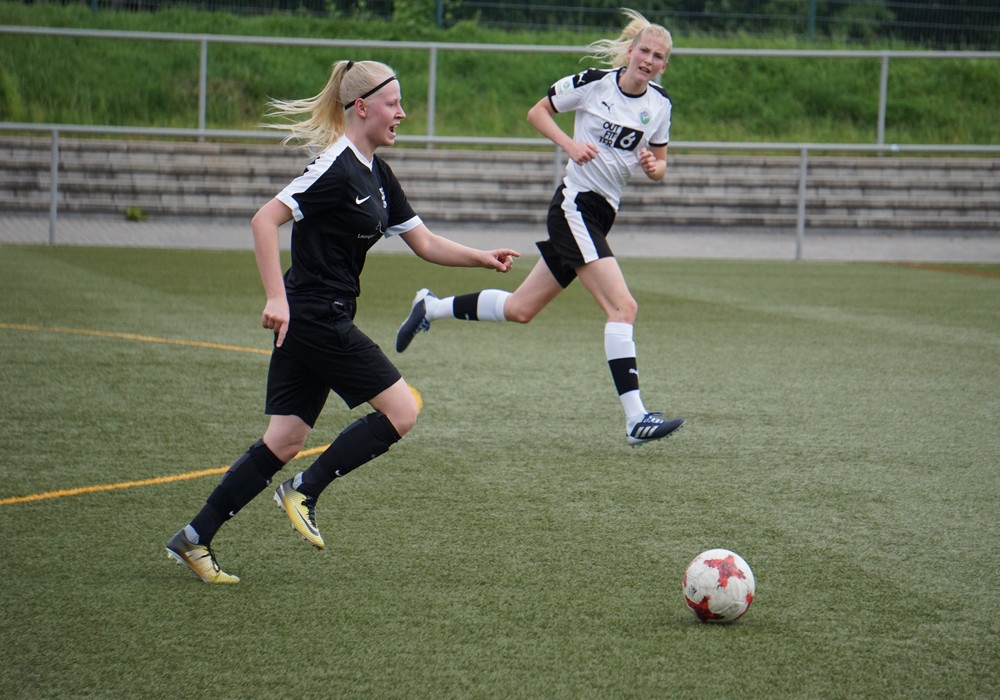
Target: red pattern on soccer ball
x: 727, y: 568
x: 702, y: 611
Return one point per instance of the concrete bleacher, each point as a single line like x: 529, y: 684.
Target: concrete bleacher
x: 867, y: 193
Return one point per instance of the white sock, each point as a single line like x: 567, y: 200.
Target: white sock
x: 439, y: 308
x: 192, y: 534
x: 491, y: 303
x: 634, y: 410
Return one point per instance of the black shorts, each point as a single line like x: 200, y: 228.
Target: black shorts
x: 323, y: 351
x: 578, y: 232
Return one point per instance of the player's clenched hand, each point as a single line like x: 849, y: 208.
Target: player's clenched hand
x: 581, y: 153
x: 275, y: 318
x: 502, y: 259
x: 647, y: 161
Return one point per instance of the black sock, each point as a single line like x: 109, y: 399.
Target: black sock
x: 247, y: 477
x: 466, y: 307
x: 624, y: 374
x: 360, y: 442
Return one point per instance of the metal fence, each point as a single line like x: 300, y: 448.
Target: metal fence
x: 962, y: 24
x: 803, y: 149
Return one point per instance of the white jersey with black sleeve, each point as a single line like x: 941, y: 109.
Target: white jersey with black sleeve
x: 619, y: 124
x: 341, y: 205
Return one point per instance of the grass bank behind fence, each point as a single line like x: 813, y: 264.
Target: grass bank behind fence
x: 144, y: 83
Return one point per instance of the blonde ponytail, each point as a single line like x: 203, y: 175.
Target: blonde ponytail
x: 614, y: 52
x: 326, y: 120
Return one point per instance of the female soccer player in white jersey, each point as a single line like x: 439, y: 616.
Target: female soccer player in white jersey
x: 622, y: 124
x: 344, y: 202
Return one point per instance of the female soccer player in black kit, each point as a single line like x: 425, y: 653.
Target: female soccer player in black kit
x: 345, y: 201
x: 622, y: 124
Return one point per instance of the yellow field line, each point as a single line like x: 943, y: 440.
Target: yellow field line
x: 946, y: 268
x: 132, y: 336
x: 62, y: 493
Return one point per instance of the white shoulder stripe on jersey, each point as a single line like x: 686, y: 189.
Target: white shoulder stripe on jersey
x: 313, y: 172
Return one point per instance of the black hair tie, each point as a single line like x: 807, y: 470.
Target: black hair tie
x: 371, y: 92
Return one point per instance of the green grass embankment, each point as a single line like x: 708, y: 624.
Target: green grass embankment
x: 155, y: 83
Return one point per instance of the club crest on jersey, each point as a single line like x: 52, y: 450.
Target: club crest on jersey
x: 621, y: 137
x: 564, y: 86
x: 644, y: 117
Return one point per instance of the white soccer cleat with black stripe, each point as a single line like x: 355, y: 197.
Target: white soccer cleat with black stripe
x: 652, y: 427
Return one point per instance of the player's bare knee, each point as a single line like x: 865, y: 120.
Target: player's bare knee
x: 627, y: 311
x: 517, y: 314
x: 286, y: 451
x: 403, y: 415
x: 403, y: 422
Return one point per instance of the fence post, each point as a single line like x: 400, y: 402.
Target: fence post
x: 54, y: 187
x: 800, y: 220
x: 202, y: 87
x: 883, y: 90
x: 431, y: 94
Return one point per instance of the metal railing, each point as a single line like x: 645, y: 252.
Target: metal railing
x: 803, y: 150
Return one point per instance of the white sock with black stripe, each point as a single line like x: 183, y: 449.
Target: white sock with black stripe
x: 619, y: 347
x: 486, y: 305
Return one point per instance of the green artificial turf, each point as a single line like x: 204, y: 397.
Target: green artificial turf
x: 842, y: 437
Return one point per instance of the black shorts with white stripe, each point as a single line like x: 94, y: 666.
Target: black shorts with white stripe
x: 578, y: 225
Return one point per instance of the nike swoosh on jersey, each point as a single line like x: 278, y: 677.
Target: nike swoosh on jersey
x: 362, y: 200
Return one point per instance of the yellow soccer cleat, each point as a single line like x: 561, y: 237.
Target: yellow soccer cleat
x: 301, y: 511
x: 199, y: 558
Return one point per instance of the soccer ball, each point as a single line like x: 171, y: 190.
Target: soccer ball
x: 718, y: 586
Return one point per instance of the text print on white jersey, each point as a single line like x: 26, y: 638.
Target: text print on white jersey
x: 618, y: 136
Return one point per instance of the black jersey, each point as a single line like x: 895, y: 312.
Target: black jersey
x: 342, y: 205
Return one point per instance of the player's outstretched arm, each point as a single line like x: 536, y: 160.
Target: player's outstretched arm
x: 444, y: 251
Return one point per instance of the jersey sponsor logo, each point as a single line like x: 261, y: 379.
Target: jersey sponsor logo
x: 621, y: 137
x: 385, y: 204
x: 362, y: 200
x: 379, y: 231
